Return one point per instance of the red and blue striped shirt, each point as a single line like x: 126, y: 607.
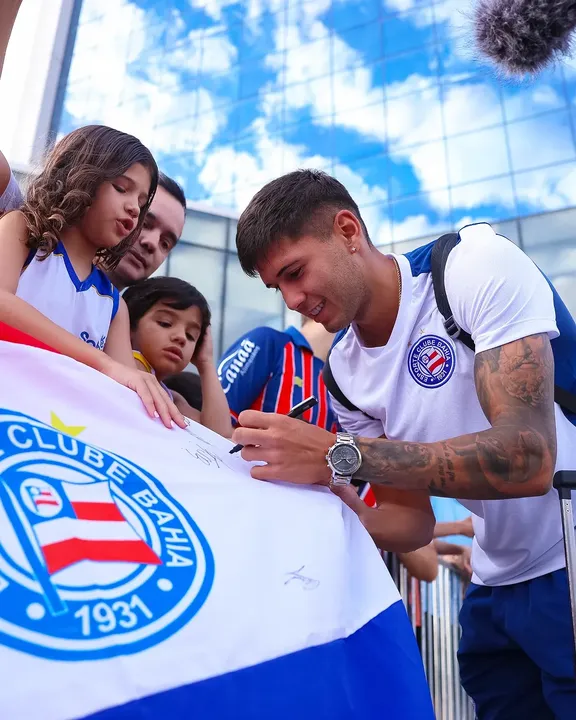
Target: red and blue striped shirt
x: 272, y: 371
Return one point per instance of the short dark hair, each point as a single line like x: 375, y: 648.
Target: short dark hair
x: 172, y: 187
x: 176, y: 293
x: 188, y: 384
x: 299, y: 202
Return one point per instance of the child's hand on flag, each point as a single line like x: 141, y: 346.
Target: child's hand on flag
x: 155, y: 398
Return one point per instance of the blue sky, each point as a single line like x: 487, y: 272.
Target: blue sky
x: 385, y: 94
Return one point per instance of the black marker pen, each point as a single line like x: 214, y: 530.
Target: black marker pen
x: 296, y: 411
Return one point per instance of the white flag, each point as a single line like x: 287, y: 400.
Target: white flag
x: 144, y: 573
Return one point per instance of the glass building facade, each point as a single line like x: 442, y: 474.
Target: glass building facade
x: 384, y: 94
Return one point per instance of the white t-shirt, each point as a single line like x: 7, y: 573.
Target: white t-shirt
x: 420, y: 386
x: 85, y: 308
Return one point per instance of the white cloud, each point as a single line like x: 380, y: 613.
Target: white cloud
x: 531, y: 100
x: 356, y: 103
x: 91, y: 10
x: 450, y: 11
x: 160, y: 110
x: 213, y: 8
x: 399, y: 5
x: 209, y: 52
x: 253, y: 8
x: 566, y: 185
x: 414, y: 227
x: 550, y: 188
x: 273, y: 157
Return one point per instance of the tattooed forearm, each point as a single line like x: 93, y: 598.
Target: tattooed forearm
x: 514, y: 458
x: 446, y: 473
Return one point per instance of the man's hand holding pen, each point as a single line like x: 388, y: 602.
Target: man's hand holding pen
x: 293, y: 451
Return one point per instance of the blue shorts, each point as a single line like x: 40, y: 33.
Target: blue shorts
x: 516, y: 654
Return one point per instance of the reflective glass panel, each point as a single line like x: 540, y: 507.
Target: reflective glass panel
x: 249, y: 304
x: 476, y: 156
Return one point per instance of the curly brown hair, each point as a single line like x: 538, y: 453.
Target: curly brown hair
x: 66, y: 187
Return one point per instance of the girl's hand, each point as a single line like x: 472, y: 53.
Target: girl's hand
x: 155, y: 399
x: 204, y: 355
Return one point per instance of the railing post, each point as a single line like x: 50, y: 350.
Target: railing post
x: 440, y: 603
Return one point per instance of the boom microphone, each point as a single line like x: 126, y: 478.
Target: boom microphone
x: 523, y: 36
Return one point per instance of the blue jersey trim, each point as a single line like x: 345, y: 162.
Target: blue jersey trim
x: 564, y: 348
x: 102, y: 284
x: 96, y: 279
x: 115, y: 302
x: 339, y: 335
x: 420, y: 259
x: 31, y: 255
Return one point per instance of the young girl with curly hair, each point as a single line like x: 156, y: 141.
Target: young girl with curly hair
x: 85, y: 208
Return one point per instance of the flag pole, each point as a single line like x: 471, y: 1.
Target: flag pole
x: 16, y: 515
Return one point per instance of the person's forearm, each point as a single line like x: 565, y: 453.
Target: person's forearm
x: 443, y: 529
x: 396, y: 529
x: 502, y: 462
x: 8, y: 12
x: 446, y: 548
x: 215, y: 412
x: 20, y: 315
x: 422, y: 564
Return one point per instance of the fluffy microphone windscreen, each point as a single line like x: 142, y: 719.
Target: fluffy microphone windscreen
x: 523, y: 36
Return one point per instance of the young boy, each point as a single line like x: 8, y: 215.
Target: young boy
x: 170, y: 327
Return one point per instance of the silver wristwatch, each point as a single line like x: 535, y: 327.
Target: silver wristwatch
x: 344, y: 460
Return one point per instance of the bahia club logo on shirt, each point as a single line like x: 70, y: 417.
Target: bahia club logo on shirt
x: 96, y: 559
x: 431, y: 361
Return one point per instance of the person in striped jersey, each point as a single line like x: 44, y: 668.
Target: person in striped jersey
x: 272, y: 371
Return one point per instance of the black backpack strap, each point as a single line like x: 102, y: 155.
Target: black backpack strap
x: 334, y: 389
x: 440, y: 251
x: 565, y: 399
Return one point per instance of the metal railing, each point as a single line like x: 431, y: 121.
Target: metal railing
x: 433, y: 610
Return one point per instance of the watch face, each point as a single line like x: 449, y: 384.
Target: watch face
x: 345, y: 459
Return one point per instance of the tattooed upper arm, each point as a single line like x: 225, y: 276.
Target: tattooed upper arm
x: 515, y: 457
x: 515, y: 386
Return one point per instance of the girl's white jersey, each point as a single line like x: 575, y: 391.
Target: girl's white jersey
x: 83, y: 307
x: 420, y: 386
